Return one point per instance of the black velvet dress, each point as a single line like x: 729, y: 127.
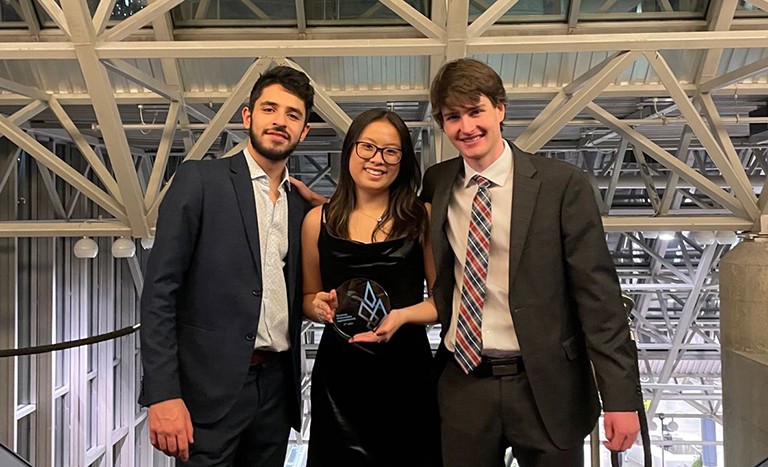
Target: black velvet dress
x: 374, y: 410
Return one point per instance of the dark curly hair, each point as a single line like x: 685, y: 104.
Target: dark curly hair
x: 294, y: 81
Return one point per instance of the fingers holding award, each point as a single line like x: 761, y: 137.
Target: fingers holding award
x: 362, y: 306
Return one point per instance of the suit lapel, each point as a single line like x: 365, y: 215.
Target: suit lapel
x: 241, y: 180
x: 295, y: 218
x: 440, y: 199
x: 525, y: 190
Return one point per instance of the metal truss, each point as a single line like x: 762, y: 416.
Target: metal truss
x: 695, y: 165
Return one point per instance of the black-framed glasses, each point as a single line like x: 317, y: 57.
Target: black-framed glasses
x: 367, y: 151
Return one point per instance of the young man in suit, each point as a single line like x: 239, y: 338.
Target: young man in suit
x: 527, y: 293
x: 221, y: 305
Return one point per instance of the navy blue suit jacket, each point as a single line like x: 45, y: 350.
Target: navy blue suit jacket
x: 201, y: 303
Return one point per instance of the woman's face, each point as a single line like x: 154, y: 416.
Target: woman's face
x: 376, y: 173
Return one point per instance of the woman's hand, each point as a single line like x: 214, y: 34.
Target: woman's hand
x: 325, y: 304
x: 305, y: 192
x: 388, y: 327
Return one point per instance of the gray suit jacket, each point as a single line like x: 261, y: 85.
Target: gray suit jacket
x: 201, y: 303
x: 564, y: 294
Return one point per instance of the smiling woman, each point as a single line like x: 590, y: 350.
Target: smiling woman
x: 373, y: 228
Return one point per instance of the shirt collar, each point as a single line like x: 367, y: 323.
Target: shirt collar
x: 257, y: 172
x: 496, y: 173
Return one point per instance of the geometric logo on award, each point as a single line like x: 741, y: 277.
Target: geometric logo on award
x: 363, y: 305
x: 372, y: 309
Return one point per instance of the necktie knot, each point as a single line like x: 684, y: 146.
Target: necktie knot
x: 481, y: 181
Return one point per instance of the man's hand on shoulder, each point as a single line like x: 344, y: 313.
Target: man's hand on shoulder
x: 621, y: 429
x: 170, y: 428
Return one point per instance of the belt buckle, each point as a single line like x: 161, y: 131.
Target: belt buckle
x: 505, y: 369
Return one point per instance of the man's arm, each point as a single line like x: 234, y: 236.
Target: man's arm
x: 594, y: 286
x: 172, y: 253
x: 597, y: 294
x: 170, y: 424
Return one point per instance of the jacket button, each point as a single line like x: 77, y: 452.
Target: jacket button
x: 255, y: 293
x: 250, y: 336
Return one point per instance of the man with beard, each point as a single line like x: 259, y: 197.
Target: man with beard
x: 221, y: 305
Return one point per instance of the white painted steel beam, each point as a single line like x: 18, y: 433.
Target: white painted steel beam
x: 671, y: 196
x: 724, y: 140
x: 56, y: 13
x: 546, y: 127
x: 138, y: 20
x: 86, y: 150
x: 37, y: 50
x: 27, y: 112
x: 138, y: 278
x: 163, y: 28
x: 202, y: 8
x: 60, y: 168
x: 656, y: 256
x: 456, y: 18
x: 258, y: 12
x: 667, y: 159
x: 642, y: 42
x: 324, y: 104
x: 130, y: 72
x: 31, y: 92
x: 687, y: 316
x: 415, y: 18
x: 657, y: 115
x: 236, y: 99
x: 720, y: 19
x: 10, y: 166
x: 301, y: 16
x: 375, y: 45
x: 50, y: 188
x: 734, y: 76
x: 735, y: 175
x: 487, y: 19
x: 363, y: 95
x: 107, y: 113
x: 163, y: 152
x: 618, y: 163
x: 102, y: 15
x: 286, y: 48
x: 90, y: 228
x: 762, y: 4
x: 30, y: 17
x: 580, y: 81
x: 203, y: 144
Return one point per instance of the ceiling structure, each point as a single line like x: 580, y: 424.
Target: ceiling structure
x: 661, y: 102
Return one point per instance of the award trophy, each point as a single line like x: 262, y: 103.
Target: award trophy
x: 363, y: 304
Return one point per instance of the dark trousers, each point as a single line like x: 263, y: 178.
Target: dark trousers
x: 482, y: 417
x: 254, y: 433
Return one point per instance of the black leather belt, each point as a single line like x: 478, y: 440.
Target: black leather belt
x: 491, y: 366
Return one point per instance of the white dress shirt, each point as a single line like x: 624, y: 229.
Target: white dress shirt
x: 499, y: 338
x: 272, y: 333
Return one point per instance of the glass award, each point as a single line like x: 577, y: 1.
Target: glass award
x: 363, y: 304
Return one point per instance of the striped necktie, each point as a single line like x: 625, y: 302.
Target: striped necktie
x: 469, y: 341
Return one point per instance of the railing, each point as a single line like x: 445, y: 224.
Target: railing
x: 69, y: 344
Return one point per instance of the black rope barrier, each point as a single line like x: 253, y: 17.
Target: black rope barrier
x: 69, y: 344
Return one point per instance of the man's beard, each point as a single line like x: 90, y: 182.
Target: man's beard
x: 273, y: 154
